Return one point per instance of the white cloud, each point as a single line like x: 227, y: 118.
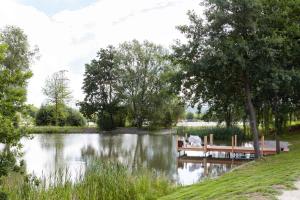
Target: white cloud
x: 69, y: 39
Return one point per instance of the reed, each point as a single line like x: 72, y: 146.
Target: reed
x: 102, y: 180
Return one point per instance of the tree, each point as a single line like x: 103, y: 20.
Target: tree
x: 247, y: 50
x: 15, y: 59
x: 57, y: 90
x: 131, y: 82
x: 100, y: 82
x: 142, y: 66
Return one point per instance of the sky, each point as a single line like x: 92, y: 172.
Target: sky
x: 70, y: 32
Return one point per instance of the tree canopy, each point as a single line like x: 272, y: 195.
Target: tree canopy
x: 15, y: 59
x: 132, y: 80
x: 236, y: 52
x: 57, y: 91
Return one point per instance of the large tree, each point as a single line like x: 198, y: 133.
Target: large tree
x: 142, y: 65
x: 132, y: 82
x: 233, y: 52
x: 100, y: 82
x: 15, y: 58
x: 57, y: 91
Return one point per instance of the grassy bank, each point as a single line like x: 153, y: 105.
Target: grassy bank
x: 102, y: 181
x: 60, y: 129
x: 262, y: 179
x: 220, y: 133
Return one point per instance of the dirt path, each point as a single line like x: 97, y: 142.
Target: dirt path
x: 291, y: 194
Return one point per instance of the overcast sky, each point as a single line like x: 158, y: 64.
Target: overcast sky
x: 69, y: 32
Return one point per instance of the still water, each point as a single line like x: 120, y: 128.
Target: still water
x: 46, y: 153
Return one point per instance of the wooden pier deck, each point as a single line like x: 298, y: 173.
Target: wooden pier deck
x: 196, y: 159
x: 229, y: 149
x: 234, y: 149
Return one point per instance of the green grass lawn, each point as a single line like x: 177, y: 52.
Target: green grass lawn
x: 261, y: 179
x: 61, y: 129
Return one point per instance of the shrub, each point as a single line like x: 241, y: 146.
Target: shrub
x: 190, y: 116
x: 66, y: 116
x: 75, y: 118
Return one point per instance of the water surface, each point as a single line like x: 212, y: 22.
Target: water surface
x: 46, y: 153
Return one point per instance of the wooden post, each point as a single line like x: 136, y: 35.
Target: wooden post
x: 232, y: 143
x: 235, y: 140
x: 205, y: 144
x: 205, y: 167
x: 211, y: 139
x: 177, y: 142
x: 262, y: 145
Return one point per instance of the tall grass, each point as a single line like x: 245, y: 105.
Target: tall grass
x: 220, y: 133
x: 101, y: 181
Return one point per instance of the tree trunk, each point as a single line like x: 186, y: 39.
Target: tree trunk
x: 252, y: 119
x: 56, y: 114
x: 278, y: 127
x: 266, y: 119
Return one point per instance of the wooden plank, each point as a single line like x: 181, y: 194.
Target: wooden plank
x: 192, y: 159
x: 211, y: 139
x: 205, y: 144
x: 226, y: 149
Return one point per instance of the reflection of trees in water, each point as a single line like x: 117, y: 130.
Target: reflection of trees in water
x: 87, y: 153
x: 115, y: 147
x: 55, y: 144
x: 136, y: 151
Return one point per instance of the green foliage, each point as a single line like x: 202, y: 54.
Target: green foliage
x: 58, y: 92
x: 66, y: 116
x: 242, y: 51
x: 220, y: 133
x: 102, y: 180
x: 131, y: 82
x: 100, y: 88
x: 15, y: 58
x: 74, y: 118
x: 60, y: 129
x: 189, y: 116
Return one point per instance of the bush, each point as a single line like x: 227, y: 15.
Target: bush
x: 66, y: 116
x: 190, y: 116
x: 75, y: 118
x: 105, y: 122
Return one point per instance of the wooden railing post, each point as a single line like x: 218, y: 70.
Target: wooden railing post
x: 211, y: 139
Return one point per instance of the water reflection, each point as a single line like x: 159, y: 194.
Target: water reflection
x: 46, y: 153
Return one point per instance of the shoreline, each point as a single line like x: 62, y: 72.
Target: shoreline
x: 94, y: 130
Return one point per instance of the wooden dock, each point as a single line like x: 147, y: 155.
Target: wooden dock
x: 234, y: 149
x: 197, y: 159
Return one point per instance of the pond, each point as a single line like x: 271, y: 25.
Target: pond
x: 47, y: 153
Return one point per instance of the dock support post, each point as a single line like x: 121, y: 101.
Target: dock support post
x: 235, y: 140
x: 232, y: 144
x: 205, y: 144
x: 262, y: 144
x: 211, y: 139
x: 235, y: 143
